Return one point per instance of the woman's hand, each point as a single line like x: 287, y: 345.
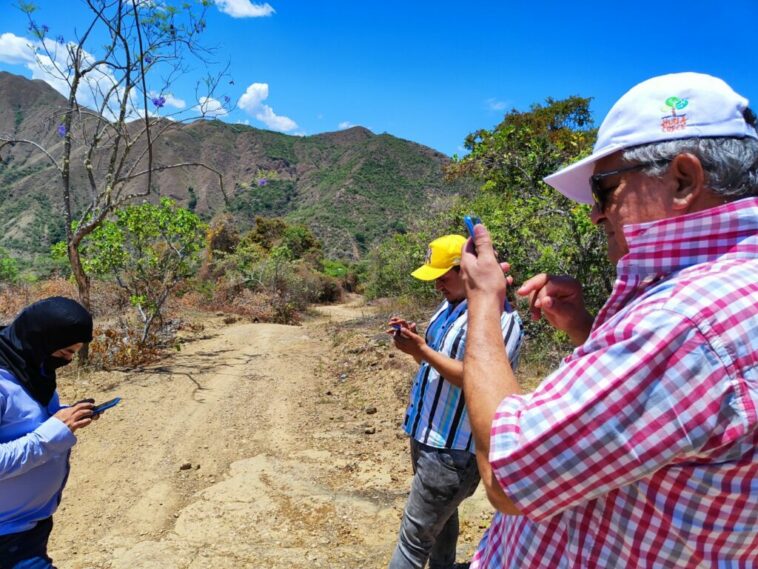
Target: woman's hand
x: 77, y: 416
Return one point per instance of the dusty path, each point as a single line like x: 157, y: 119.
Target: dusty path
x: 244, y: 450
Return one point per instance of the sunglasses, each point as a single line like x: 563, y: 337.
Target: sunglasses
x: 600, y: 194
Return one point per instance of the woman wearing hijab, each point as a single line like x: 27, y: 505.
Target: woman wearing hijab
x: 36, y: 432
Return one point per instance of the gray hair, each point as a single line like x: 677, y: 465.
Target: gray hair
x: 730, y: 164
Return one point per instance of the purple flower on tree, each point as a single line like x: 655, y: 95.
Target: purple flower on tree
x: 61, y: 40
x: 148, y: 59
x: 61, y: 130
x: 159, y: 101
x: 226, y: 99
x: 44, y: 29
x: 262, y: 182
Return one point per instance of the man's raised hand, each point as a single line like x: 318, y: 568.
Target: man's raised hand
x: 559, y: 299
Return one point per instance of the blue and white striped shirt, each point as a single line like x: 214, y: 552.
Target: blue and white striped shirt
x: 437, y: 415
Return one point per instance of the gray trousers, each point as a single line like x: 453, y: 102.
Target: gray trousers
x: 442, y: 479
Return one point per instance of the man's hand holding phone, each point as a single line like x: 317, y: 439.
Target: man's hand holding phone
x: 482, y: 274
x: 471, y: 221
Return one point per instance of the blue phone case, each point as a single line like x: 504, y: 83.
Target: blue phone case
x: 471, y: 221
x: 107, y: 405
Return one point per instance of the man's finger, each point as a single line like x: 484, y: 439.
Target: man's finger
x: 483, y: 241
x: 533, y: 284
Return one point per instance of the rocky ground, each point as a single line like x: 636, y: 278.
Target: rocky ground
x: 256, y: 445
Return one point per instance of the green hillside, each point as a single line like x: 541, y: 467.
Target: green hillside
x: 353, y: 188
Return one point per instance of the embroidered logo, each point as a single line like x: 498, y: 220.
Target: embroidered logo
x: 674, y: 121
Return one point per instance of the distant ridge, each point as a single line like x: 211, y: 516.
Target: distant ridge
x: 352, y: 187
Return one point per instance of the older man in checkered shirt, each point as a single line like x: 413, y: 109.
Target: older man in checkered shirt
x: 640, y: 449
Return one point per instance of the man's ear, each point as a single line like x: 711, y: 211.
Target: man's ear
x: 690, y: 191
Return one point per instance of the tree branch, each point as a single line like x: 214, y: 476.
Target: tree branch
x: 10, y: 140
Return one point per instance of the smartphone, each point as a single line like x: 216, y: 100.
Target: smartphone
x: 397, y: 328
x: 107, y: 405
x: 471, y: 221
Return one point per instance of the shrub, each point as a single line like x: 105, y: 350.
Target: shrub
x: 8, y: 267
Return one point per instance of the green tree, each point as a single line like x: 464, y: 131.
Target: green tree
x: 392, y: 262
x: 8, y: 267
x: 119, y: 69
x: 148, y: 249
x: 534, y: 227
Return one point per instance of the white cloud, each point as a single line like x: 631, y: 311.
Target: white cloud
x: 210, y: 107
x: 15, y: 49
x: 495, y: 105
x: 53, y: 66
x: 275, y: 122
x: 345, y: 124
x: 244, y: 8
x: 251, y: 102
x: 175, y: 102
x: 51, y: 63
x: 252, y: 98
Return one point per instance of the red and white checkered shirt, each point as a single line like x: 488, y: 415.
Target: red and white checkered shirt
x: 640, y: 450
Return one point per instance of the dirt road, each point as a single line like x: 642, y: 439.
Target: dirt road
x: 255, y: 446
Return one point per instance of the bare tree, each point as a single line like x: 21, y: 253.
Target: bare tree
x: 118, y: 95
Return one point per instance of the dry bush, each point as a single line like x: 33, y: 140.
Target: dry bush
x: 107, y: 299
x: 277, y: 293
x: 120, y: 347
x: 406, y: 307
x: 14, y: 298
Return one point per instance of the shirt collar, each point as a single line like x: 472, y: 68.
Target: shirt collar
x: 665, y: 246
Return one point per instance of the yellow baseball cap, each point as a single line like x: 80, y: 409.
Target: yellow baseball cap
x: 443, y: 254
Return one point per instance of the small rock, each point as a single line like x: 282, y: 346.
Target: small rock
x: 370, y: 430
x: 328, y: 392
x: 390, y: 355
x: 370, y: 410
x: 185, y: 466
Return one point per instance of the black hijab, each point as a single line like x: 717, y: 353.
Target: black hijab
x: 26, y: 346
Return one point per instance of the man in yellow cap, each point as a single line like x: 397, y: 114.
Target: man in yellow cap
x: 442, y: 451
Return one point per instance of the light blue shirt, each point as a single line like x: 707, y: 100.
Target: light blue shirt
x: 34, y: 449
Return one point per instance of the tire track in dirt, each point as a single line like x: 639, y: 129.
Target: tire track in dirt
x: 213, y: 460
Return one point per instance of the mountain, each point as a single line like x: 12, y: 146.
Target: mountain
x: 353, y: 188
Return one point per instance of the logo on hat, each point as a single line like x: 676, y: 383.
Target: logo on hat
x: 674, y: 122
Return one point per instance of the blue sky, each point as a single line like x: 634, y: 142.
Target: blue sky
x: 432, y: 72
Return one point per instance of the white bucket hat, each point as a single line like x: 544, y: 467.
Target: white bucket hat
x: 669, y: 107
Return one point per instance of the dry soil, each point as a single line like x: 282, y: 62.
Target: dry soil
x: 254, y: 446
